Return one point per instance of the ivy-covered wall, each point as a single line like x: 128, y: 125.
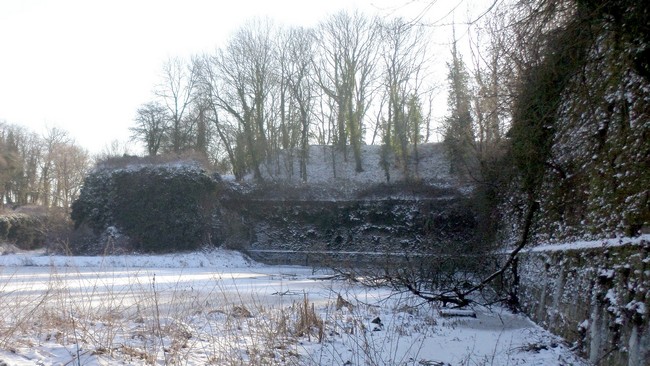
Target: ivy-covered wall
x: 580, y: 133
x: 148, y: 208
x: 416, y: 219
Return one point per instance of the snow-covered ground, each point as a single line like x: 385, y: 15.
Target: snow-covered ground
x: 328, y: 165
x: 218, y: 308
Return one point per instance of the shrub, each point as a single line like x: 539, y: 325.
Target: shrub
x: 25, y: 231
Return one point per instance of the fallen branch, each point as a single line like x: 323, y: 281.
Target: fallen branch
x: 460, y: 296
x: 532, y: 208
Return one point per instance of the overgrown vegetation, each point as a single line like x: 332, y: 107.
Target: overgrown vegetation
x: 24, y: 230
x: 33, y: 228
x: 580, y: 130
x: 567, y: 80
x: 152, y: 208
x: 549, y: 126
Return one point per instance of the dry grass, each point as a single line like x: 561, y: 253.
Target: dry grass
x: 151, y: 323
x: 308, y: 322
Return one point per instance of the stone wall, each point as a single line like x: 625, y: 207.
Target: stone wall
x: 597, y: 297
x: 372, y: 226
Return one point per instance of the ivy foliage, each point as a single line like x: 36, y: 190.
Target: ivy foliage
x: 160, y: 208
x: 539, y: 98
x: 580, y: 136
x: 25, y: 231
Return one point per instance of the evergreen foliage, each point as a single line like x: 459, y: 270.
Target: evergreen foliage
x: 25, y: 231
x: 458, y: 134
x: 160, y: 208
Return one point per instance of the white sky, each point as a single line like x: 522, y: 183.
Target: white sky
x: 86, y: 65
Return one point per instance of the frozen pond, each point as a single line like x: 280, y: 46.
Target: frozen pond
x: 218, y: 308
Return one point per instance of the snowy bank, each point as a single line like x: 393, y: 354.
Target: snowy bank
x: 213, y: 258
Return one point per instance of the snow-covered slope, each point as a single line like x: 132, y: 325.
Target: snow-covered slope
x: 328, y: 164
x: 211, y: 258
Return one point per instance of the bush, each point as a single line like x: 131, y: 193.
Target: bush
x: 161, y: 208
x: 25, y: 231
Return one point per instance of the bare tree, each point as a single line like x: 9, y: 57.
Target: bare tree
x: 29, y: 148
x: 151, y: 125
x: 53, y: 139
x: 246, y: 81
x: 346, y: 65
x: 71, y: 164
x: 45, y: 170
x: 209, y: 89
x: 403, y: 54
x: 298, y: 75
x: 287, y: 128
x: 176, y: 91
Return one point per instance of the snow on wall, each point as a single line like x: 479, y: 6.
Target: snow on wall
x: 387, y: 225
x: 595, y: 296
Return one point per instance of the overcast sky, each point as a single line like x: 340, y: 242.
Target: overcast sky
x: 86, y: 65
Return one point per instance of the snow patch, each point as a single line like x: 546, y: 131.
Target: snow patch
x: 212, y: 258
x: 603, y: 243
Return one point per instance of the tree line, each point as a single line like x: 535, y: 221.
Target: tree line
x: 45, y: 170
x: 349, y: 81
